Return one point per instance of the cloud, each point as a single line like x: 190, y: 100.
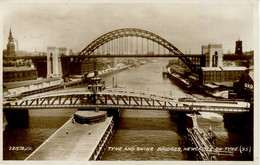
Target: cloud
x: 36, y: 36
x: 186, y: 25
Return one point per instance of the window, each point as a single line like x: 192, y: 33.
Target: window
x: 215, y: 59
x: 51, y: 60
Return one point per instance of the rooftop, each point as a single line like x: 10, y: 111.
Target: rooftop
x: 234, y: 68
x: 211, y: 86
x: 18, y: 84
x: 225, y: 83
x: 210, y: 69
x: 18, y: 69
x: 241, y: 68
x: 215, y: 44
x: 251, y: 73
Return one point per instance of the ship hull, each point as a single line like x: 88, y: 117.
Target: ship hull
x: 179, y: 81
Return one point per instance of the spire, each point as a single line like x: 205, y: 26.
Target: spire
x: 10, y: 35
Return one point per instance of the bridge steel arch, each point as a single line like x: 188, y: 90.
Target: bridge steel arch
x: 131, y: 32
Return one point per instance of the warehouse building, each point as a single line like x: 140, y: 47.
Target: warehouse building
x: 214, y: 72
x: 20, y: 87
x: 212, y: 75
x: 13, y: 74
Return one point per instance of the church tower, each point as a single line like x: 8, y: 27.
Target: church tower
x: 10, y: 45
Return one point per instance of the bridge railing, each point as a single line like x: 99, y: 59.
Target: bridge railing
x: 142, y: 92
x: 144, y: 107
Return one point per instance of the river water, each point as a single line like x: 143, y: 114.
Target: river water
x: 140, y: 135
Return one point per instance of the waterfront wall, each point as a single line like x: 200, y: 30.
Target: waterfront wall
x: 103, y: 142
x: 17, y: 118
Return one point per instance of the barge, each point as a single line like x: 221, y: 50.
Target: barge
x: 179, y: 80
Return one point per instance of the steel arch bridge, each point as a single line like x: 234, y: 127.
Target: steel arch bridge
x: 131, y: 32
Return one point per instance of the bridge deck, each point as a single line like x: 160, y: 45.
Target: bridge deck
x: 74, y: 146
x: 123, y: 99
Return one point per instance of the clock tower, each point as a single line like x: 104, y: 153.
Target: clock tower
x: 239, y: 50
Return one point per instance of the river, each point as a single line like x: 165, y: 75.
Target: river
x: 140, y: 135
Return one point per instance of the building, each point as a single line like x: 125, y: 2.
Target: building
x: 17, y: 88
x: 214, y: 72
x: 21, y: 53
x: 63, y: 51
x: 12, y: 74
x: 244, y: 88
x: 86, y: 66
x: 89, y: 65
x: 220, y: 75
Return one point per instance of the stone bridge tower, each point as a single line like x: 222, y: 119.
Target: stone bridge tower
x: 53, y: 62
x: 214, y: 55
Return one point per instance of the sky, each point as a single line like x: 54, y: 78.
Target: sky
x: 186, y: 24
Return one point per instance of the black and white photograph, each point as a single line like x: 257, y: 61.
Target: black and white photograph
x: 129, y: 82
